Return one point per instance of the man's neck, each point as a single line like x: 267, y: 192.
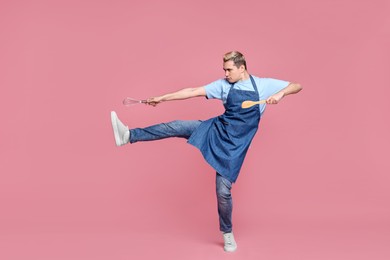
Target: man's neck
x: 245, y: 76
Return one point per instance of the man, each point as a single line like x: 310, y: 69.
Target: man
x: 223, y: 140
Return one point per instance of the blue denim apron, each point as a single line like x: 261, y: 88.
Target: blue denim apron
x: 224, y: 140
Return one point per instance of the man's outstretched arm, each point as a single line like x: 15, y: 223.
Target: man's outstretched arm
x: 178, y: 95
x: 292, y: 88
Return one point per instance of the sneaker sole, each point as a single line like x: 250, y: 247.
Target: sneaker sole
x: 230, y: 250
x: 115, y: 128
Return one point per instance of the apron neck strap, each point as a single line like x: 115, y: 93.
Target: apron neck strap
x: 254, y: 84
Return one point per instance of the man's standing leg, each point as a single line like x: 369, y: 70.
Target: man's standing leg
x: 225, y: 207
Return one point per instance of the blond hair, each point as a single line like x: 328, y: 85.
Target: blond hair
x: 237, y: 58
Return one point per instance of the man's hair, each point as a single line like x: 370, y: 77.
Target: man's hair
x: 235, y: 56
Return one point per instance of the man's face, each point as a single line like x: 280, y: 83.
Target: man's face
x: 232, y: 73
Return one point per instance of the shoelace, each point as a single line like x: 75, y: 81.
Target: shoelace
x: 228, y: 240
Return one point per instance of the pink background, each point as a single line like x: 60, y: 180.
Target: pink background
x: 316, y: 180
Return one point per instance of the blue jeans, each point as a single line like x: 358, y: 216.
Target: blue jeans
x: 225, y: 203
x: 184, y: 129
x: 177, y: 128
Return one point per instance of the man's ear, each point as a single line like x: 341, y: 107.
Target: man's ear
x: 242, y: 68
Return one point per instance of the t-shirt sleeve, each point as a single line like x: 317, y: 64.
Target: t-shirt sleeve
x: 214, y: 89
x: 273, y: 86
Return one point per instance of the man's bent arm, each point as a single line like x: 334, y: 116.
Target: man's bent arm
x: 292, y: 88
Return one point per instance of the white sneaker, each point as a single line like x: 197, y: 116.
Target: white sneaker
x: 121, y: 132
x: 230, y: 243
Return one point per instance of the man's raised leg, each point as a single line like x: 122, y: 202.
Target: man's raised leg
x: 178, y: 128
